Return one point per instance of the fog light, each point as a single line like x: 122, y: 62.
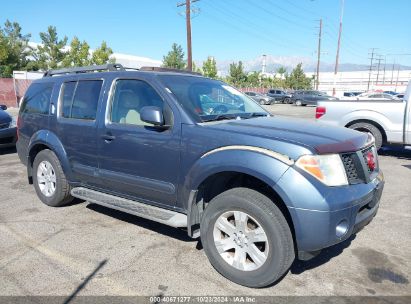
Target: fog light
x: 341, y: 228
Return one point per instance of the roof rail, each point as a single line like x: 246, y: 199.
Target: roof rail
x: 91, y: 68
x: 160, y: 69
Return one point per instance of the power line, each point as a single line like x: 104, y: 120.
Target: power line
x: 229, y: 14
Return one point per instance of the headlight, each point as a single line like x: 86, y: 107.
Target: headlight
x: 328, y: 169
x: 13, y: 123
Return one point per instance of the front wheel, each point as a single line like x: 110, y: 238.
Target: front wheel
x: 298, y: 103
x: 49, y: 180
x: 246, y: 238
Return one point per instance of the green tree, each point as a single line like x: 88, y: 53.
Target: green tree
x: 51, y: 53
x: 210, y: 67
x: 175, y: 58
x: 281, y: 70
x: 297, y: 79
x: 236, y: 74
x: 14, y: 49
x: 254, y: 79
x: 102, y: 55
x: 78, y: 55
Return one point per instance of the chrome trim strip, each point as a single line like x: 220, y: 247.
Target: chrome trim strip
x: 281, y: 157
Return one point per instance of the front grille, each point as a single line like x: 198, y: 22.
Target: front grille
x: 356, y: 167
x: 352, y: 168
x: 4, y: 125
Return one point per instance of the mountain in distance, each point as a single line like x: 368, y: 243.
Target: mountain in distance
x: 289, y: 62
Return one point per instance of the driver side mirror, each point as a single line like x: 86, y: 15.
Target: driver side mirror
x: 3, y: 107
x: 152, y: 115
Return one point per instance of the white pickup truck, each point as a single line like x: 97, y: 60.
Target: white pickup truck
x: 388, y: 120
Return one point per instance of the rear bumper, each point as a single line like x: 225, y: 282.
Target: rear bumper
x: 8, y: 137
x: 340, y: 213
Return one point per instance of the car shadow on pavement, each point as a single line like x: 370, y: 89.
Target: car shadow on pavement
x: 323, y: 257
x: 176, y: 233
x: 5, y: 151
x: 399, y: 152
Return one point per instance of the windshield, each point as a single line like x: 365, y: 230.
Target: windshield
x: 206, y: 99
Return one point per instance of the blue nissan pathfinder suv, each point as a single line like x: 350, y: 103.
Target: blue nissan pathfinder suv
x: 193, y: 152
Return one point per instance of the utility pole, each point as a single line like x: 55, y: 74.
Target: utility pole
x: 338, y: 46
x: 187, y: 4
x: 392, y: 72
x: 378, y: 67
x: 398, y: 74
x: 369, y: 73
x: 319, y: 54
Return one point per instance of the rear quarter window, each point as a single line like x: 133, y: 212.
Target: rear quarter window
x: 37, y: 99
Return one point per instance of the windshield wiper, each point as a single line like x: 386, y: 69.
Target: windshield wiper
x: 255, y: 114
x: 222, y: 117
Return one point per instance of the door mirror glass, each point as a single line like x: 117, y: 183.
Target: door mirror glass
x: 152, y: 115
x: 3, y: 107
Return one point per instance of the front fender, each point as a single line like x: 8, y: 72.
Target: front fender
x: 266, y: 168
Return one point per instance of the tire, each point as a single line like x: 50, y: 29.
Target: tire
x: 298, y: 103
x: 369, y: 128
x: 287, y: 100
x: 276, y: 253
x: 261, y: 102
x: 45, y: 164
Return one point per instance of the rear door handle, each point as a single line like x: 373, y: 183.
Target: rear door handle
x: 108, y: 137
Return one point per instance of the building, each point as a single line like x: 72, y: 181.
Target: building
x: 358, y: 81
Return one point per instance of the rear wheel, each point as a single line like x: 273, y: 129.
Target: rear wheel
x: 246, y: 238
x: 287, y: 100
x: 369, y: 128
x: 49, y: 180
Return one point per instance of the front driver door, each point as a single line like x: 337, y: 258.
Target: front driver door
x: 138, y: 160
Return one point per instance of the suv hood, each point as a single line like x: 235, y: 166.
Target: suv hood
x: 319, y: 138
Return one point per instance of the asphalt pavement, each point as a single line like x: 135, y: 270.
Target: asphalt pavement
x: 86, y: 249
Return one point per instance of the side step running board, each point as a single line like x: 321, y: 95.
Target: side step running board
x: 160, y: 215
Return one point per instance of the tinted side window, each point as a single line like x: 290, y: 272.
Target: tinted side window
x: 37, y: 98
x: 80, y: 99
x: 129, y: 98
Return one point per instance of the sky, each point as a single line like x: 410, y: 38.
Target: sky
x: 226, y: 29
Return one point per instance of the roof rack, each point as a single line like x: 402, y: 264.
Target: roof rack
x: 91, y: 68
x: 160, y: 69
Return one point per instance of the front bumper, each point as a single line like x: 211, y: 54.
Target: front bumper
x: 8, y: 137
x: 323, y: 217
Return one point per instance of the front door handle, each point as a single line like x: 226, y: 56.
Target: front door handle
x: 108, y: 137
